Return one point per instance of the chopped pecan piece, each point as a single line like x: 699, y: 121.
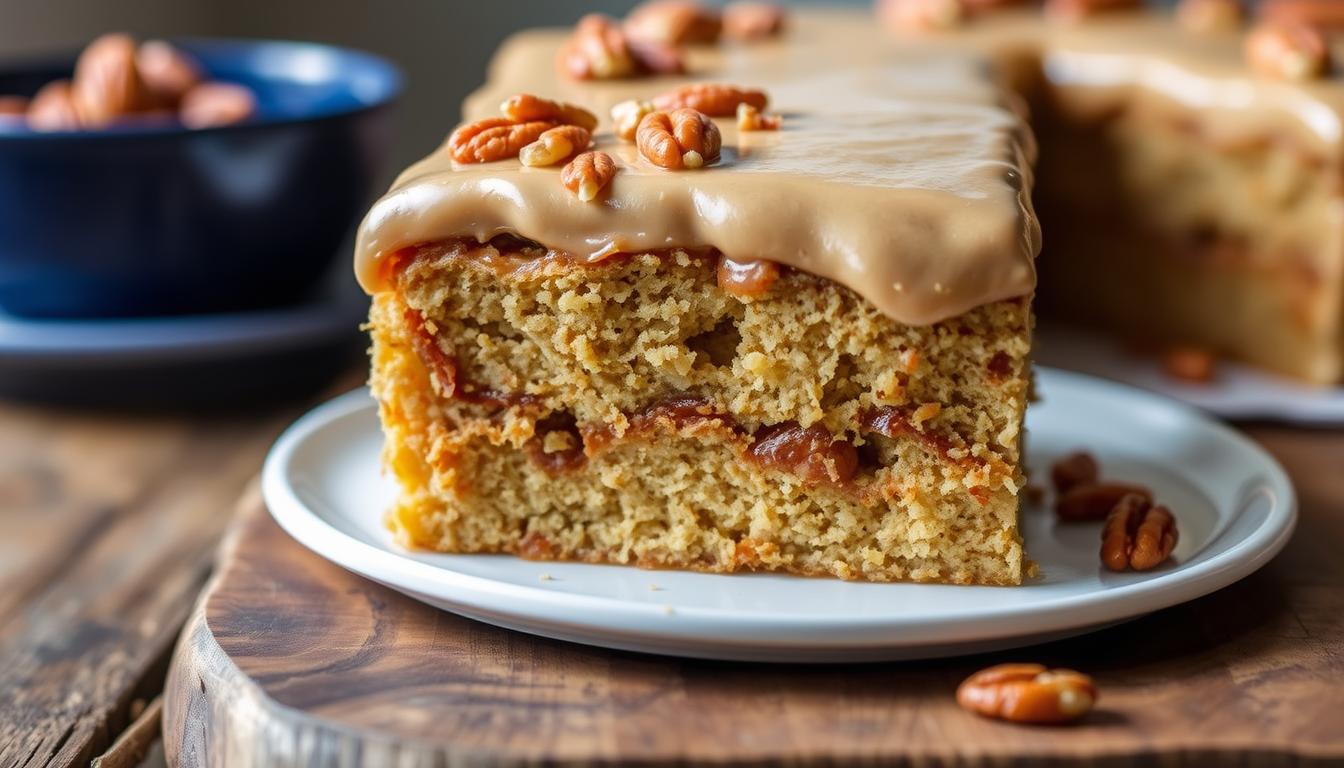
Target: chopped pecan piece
x: 750, y: 118
x: 525, y: 108
x: 1288, y: 51
x: 494, y: 138
x: 555, y: 145
x: 588, y: 174
x: 627, y: 115
x: 677, y: 140
x: 748, y: 20
x: 1094, y: 501
x: 713, y: 99
x: 673, y: 22
x: 1074, y: 470
x: 1028, y: 693
x: 1137, y: 535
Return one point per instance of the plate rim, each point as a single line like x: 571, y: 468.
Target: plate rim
x: 619, y: 618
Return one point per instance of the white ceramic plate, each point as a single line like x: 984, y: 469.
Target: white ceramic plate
x: 1235, y: 505
x: 1240, y: 392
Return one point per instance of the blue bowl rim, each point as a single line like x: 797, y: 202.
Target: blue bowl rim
x: 389, y: 74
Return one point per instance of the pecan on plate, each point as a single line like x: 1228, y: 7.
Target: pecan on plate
x: 677, y: 140
x: 107, y: 83
x: 1094, y: 501
x: 713, y: 99
x: 555, y: 145
x: 673, y: 22
x: 493, y: 138
x: 1137, y: 535
x: 1288, y: 51
x: 1191, y: 364
x: 1074, y: 470
x: 525, y: 108
x: 750, y: 20
x: 588, y: 174
x: 1028, y: 693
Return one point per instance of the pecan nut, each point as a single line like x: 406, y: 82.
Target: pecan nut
x: 167, y: 73
x: 1028, y: 693
x: 107, y: 83
x: 626, y: 116
x: 680, y: 139
x: 653, y: 57
x: 555, y: 145
x: 713, y: 99
x: 673, y: 22
x: 588, y: 174
x: 13, y: 107
x: 597, y: 50
x: 749, y: 20
x: 1322, y: 14
x: 525, y: 108
x: 214, y: 104
x: 921, y: 15
x: 1077, y: 10
x: 53, y: 108
x: 494, y: 138
x: 1288, y: 51
x: 1138, y: 535
x: 1094, y: 501
x: 1191, y: 364
x: 750, y: 118
x: 1074, y: 470
x: 1206, y: 16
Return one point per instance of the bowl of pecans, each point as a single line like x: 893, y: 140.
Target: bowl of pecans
x: 170, y: 177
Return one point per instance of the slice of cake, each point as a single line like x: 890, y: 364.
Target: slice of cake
x: 804, y: 351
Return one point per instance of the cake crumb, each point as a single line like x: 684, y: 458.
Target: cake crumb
x: 655, y: 588
x: 546, y: 577
x: 668, y: 610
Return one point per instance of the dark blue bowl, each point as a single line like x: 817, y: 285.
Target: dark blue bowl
x: 155, y: 219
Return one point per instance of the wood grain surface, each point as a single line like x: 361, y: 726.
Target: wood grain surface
x: 109, y: 523
x: 289, y: 660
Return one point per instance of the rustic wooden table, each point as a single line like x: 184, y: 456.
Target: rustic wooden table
x: 109, y: 525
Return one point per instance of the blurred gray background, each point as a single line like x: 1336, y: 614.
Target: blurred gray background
x: 441, y: 46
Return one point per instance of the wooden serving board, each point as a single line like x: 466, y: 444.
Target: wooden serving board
x: 289, y: 660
